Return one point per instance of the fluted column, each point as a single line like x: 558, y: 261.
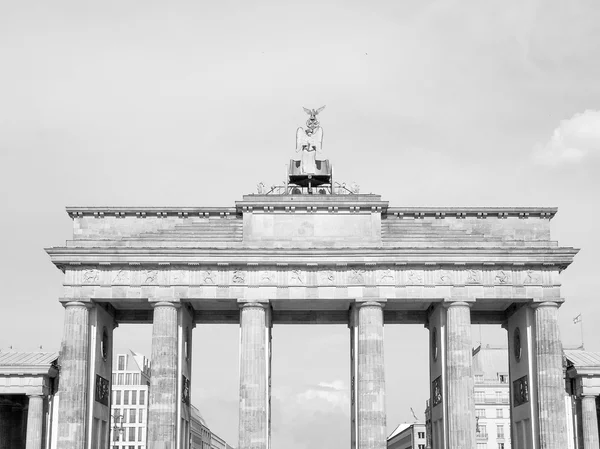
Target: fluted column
x: 254, y: 406
x: 371, y: 419
x: 549, y: 357
x: 162, y: 405
x: 459, y: 363
x: 73, y: 386
x: 35, y: 422
x: 589, y: 422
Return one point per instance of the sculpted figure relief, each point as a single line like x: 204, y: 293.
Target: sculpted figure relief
x: 91, y: 276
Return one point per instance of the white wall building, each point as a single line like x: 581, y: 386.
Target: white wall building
x: 492, y: 404
x: 129, y: 400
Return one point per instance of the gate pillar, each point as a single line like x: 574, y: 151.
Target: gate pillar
x: 523, y: 379
x: 368, y: 412
x: 74, y: 369
x: 451, y: 371
x: 163, y: 399
x: 549, y: 358
x: 255, y: 375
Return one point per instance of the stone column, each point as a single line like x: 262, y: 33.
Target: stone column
x: 254, y: 395
x: 73, y: 386
x: 163, y: 399
x: 589, y: 422
x: 371, y: 419
x: 459, y: 368
x: 549, y: 357
x: 35, y: 422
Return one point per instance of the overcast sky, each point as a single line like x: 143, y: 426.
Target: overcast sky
x: 442, y: 103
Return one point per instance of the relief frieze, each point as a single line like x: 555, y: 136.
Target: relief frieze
x: 502, y: 277
x: 473, y: 277
x: 307, y: 276
x: 327, y: 277
x: 356, y: 276
x: 238, y: 277
x: 149, y: 277
x: 444, y: 277
x: 297, y: 277
x: 531, y: 277
x: 91, y: 276
x: 386, y: 277
x: 414, y: 277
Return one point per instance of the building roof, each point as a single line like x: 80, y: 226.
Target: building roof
x: 401, y: 428
x: 583, y: 359
x: 16, y: 358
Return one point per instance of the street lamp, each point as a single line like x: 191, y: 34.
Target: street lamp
x: 117, y: 427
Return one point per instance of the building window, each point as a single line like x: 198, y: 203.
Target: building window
x: 140, y: 431
x: 503, y: 378
x: 133, y: 397
x: 131, y: 415
x: 124, y: 415
x: 128, y: 379
x: 118, y: 399
x: 498, y: 396
x: 421, y: 446
x: 136, y: 379
x: 126, y: 397
x: 141, y: 416
x: 121, y: 366
x: 500, y: 445
x: 479, y: 396
x: 120, y: 379
x: 500, y: 431
x: 499, y: 413
x: 142, y: 397
x: 132, y: 434
x: 114, y: 379
x: 482, y: 431
x: 480, y: 412
x: 478, y: 378
x: 420, y: 434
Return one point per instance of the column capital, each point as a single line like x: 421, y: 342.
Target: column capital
x: 557, y: 303
x: 36, y: 395
x: 253, y: 304
x: 461, y: 303
x: 165, y: 303
x: 77, y: 303
x: 589, y: 395
x: 370, y: 303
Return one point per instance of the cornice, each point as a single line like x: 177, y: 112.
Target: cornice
x: 559, y: 257
x: 329, y: 203
x: 143, y: 212
x: 476, y: 212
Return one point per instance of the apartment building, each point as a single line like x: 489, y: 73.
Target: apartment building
x: 492, y: 404
x: 129, y: 400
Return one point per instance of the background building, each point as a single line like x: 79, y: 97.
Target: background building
x: 408, y: 436
x: 129, y: 405
x: 28, y: 385
x: 492, y: 404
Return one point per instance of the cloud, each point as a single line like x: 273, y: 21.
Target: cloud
x: 571, y: 141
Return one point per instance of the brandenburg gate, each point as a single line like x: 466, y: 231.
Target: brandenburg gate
x: 313, y: 251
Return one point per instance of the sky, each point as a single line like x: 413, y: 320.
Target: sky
x: 181, y: 103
